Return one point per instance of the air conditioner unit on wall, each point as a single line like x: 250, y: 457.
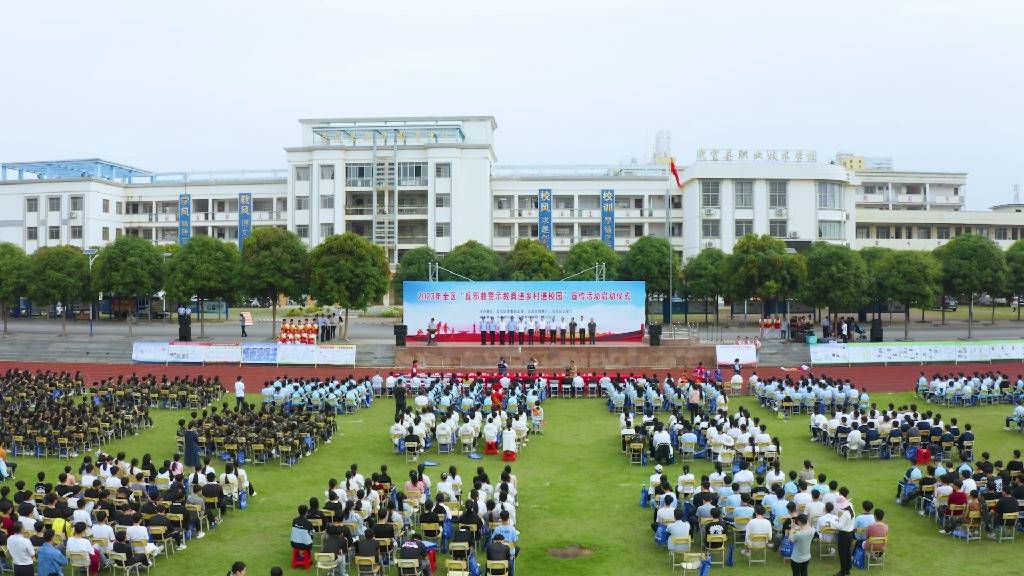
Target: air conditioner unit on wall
x: 709, y: 211
x: 780, y: 211
x: 794, y: 235
x: 709, y: 244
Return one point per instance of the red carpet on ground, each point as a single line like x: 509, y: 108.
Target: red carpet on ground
x: 876, y: 378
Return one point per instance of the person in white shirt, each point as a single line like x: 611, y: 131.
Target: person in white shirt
x: 444, y: 486
x: 239, y: 393
x: 656, y: 477
x: 79, y: 543
x: 666, y: 513
x: 21, y: 551
x: 758, y: 525
x: 100, y: 529
x: 139, y: 532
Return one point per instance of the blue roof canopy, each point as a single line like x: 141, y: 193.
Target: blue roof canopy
x: 86, y: 168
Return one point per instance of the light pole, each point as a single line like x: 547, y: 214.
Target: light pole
x: 91, y: 253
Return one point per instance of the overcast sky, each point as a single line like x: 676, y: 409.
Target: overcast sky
x: 219, y: 85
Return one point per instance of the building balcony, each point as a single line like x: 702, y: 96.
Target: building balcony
x: 871, y: 199
x: 948, y: 200
x: 910, y: 199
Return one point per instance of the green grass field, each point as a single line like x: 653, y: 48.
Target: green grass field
x: 576, y: 488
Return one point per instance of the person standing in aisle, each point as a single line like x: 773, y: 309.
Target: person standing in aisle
x: 801, y: 535
x: 844, y: 535
x: 239, y: 393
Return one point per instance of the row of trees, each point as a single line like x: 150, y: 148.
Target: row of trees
x: 346, y: 270
x: 843, y: 280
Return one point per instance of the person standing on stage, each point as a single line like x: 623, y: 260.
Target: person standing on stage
x: 181, y: 323
x: 188, y: 324
x: 572, y: 331
x: 501, y: 332
x: 561, y: 329
x: 521, y: 328
x: 553, y: 330
x: 510, y: 330
x: 492, y: 327
x: 483, y: 331
x: 583, y: 331
x: 592, y: 331
x: 530, y: 327
x: 542, y: 326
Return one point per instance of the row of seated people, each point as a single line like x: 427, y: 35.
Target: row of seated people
x: 891, y: 432
x: 329, y: 394
x: 757, y: 513
x: 653, y: 395
x: 112, y: 504
x: 253, y: 433
x: 967, y: 500
x: 62, y: 426
x: 25, y: 385
x: 178, y: 392
x: 444, y: 395
x: 718, y: 436
x: 501, y: 431
x: 971, y: 390
x: 379, y: 524
x: 1016, y: 418
x: 808, y: 393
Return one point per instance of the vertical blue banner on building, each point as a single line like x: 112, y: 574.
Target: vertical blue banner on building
x: 244, y: 217
x: 544, y: 216
x: 184, y: 219
x: 608, y: 217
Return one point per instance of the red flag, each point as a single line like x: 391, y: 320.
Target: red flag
x: 672, y: 167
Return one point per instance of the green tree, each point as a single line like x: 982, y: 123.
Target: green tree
x: 1015, y: 272
x: 761, y: 268
x: 531, y: 260
x: 837, y: 278
x: 59, y: 274
x: 584, y: 255
x: 414, y: 265
x: 472, y: 260
x: 204, y: 268
x: 706, y: 276
x: 971, y: 264
x: 908, y: 277
x: 274, y: 261
x: 132, y: 268
x: 14, y: 277
x: 648, y: 260
x: 871, y: 256
x: 348, y: 270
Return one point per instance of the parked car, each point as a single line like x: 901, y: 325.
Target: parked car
x: 949, y: 303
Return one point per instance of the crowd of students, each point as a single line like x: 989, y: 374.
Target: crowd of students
x: 309, y: 331
x: 113, y: 511
x: 380, y: 522
x: 968, y: 500
x: 971, y: 390
x: 328, y: 394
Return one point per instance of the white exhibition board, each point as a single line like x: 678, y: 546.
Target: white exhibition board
x: 255, y: 353
x: 728, y: 353
x: 917, y: 352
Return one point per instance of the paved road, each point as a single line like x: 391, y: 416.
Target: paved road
x: 105, y: 329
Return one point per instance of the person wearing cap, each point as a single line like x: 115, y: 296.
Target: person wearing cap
x: 656, y: 477
x: 844, y: 533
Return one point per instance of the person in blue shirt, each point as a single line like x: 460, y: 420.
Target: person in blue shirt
x: 510, y: 536
x: 50, y: 559
x: 865, y: 519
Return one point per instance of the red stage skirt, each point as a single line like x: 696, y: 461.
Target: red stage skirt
x: 491, y: 448
x: 508, y: 456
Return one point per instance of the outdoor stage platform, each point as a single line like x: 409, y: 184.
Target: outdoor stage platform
x: 600, y: 356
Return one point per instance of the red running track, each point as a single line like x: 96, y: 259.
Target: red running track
x: 876, y: 378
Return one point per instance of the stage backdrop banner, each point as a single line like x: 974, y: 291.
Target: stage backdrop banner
x: 459, y: 308
x: 728, y: 353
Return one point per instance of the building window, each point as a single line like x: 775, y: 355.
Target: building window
x: 1001, y: 233
x: 924, y: 233
x: 778, y: 228
x: 443, y: 230
x: 528, y: 202
x: 676, y: 230
x: 503, y: 230
x: 147, y: 233
x: 744, y: 193
x: 106, y: 206
x: 326, y: 229
x: 883, y: 232
x: 31, y: 204
x: 777, y: 193
x: 863, y: 232
x: 412, y: 173
x: 53, y: 204
x: 302, y: 202
x: 828, y: 195
x: 830, y: 229
x: 942, y: 232
x: 357, y: 175
x: 709, y: 193
x: 53, y: 233
x: 443, y: 200
x: 527, y: 230
x: 327, y: 171
x: 302, y: 230
x: 711, y: 228
x: 119, y: 207
x: 326, y: 201
x: 76, y: 232
x: 105, y: 235
x: 76, y: 203
x: 442, y: 170
x: 302, y: 173
x: 744, y: 227
x: 32, y: 233
x: 590, y: 230
x: 117, y: 233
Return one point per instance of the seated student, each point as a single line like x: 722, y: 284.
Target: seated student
x: 678, y: 528
x: 122, y: 546
x: 335, y: 543
x: 302, y: 531
x: 368, y: 546
x: 499, y: 551
x: 876, y: 529
x: 758, y: 526
x: 80, y: 543
x: 863, y: 520
x: 413, y: 549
